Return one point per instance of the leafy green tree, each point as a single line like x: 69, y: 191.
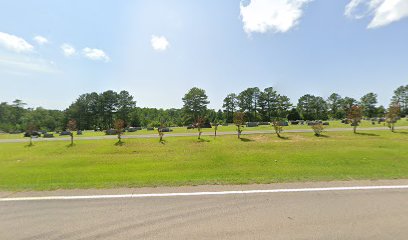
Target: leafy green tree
x: 312, y: 108
x: 18, y: 112
x: 6, y: 118
x: 220, y: 116
x: 346, y: 104
x: 380, y: 111
x: 125, y: 105
x: 268, y: 103
x: 230, y: 105
x: 401, y: 98
x: 283, y: 106
x: 293, y: 115
x: 108, y: 105
x: 368, y: 103
x: 355, y: 115
x: 195, y: 103
x: 248, y: 102
x: 393, y: 113
x: 334, y: 106
x: 134, y: 118
x: 86, y: 109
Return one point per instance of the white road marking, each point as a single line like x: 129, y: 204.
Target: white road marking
x: 149, y: 195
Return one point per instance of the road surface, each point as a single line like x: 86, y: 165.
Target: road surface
x: 349, y: 214
x: 249, y: 132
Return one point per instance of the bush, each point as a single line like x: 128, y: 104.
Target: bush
x: 317, y: 129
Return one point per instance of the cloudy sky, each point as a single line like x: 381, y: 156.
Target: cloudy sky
x: 52, y: 51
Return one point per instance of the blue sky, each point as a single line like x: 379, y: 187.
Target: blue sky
x: 53, y: 51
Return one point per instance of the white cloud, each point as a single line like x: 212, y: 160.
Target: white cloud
x: 95, y: 54
x: 40, y: 40
x: 14, y: 43
x: 384, y: 12
x: 271, y: 15
x: 159, y: 43
x: 68, y: 50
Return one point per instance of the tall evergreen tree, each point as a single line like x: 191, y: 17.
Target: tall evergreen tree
x: 334, y: 106
x: 248, y: 102
x: 401, y: 98
x: 368, y: 103
x: 230, y: 106
x: 195, y: 103
x: 312, y: 108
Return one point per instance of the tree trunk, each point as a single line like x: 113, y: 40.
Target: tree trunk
x: 72, y: 139
x: 31, y: 140
x: 392, y: 127
x: 354, y: 129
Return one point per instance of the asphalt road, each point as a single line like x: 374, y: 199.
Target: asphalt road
x: 356, y: 214
x: 195, y: 134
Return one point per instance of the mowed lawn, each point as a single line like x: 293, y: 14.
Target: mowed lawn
x: 187, y: 161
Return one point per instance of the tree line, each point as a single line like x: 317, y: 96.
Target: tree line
x: 100, y: 110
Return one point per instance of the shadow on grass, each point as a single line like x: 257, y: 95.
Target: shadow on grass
x: 163, y: 141
x: 283, y: 137
x: 203, y: 140
x: 70, y: 145
x: 119, y: 143
x: 322, y: 135
x: 401, y: 132
x: 246, y: 140
x: 29, y: 145
x: 368, y: 134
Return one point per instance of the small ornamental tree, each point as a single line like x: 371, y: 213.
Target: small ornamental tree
x: 199, y: 123
x: 317, y: 129
x: 239, y: 122
x: 72, y: 126
x: 31, y: 128
x: 355, y: 115
x: 277, y: 126
x: 393, y: 112
x: 215, y: 125
x: 119, y: 125
x: 160, y: 132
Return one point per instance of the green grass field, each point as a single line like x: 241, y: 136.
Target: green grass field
x: 187, y: 161
x: 333, y: 124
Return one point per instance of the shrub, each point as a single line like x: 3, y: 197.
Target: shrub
x: 317, y: 129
